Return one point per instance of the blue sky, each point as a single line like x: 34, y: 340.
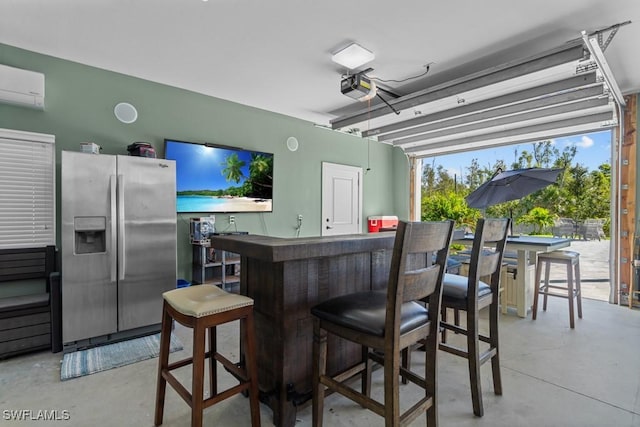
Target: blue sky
x: 593, y: 150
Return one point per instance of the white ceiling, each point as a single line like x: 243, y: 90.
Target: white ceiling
x: 276, y: 54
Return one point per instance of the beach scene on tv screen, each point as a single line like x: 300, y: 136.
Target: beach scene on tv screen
x: 214, y: 179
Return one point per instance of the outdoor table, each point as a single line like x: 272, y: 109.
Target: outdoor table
x: 527, y: 248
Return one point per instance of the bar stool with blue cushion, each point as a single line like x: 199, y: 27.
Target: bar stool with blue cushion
x: 470, y: 294
x: 386, y: 323
x: 202, y: 308
x: 571, y: 260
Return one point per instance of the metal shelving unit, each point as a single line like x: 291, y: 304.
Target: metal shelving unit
x: 216, y: 267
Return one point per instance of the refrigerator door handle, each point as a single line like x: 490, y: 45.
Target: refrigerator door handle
x: 113, y: 228
x: 121, y: 233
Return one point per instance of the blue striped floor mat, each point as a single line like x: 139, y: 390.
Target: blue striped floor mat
x: 102, y: 358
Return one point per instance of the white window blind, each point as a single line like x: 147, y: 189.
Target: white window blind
x: 27, y: 189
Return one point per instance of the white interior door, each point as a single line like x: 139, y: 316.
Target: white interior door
x: 341, y: 199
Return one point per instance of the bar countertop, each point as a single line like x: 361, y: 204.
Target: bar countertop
x: 277, y: 249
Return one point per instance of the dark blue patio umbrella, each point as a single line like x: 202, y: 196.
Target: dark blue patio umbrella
x: 511, y: 185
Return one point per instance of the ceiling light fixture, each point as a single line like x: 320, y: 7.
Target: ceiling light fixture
x: 353, y: 56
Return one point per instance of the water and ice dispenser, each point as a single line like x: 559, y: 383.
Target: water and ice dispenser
x: 90, y: 234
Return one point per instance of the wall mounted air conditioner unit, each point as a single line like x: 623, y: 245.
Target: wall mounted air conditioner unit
x: 21, y: 87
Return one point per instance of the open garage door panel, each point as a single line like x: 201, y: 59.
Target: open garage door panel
x: 565, y: 91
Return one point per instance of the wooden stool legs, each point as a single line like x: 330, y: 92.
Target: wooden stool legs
x: 197, y: 376
x: 578, y: 290
x: 247, y: 375
x: 252, y: 368
x: 163, y: 364
x: 572, y: 262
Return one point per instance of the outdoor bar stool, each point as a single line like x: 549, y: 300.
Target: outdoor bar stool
x: 202, y: 308
x: 572, y: 290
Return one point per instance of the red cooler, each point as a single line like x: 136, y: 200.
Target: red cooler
x: 382, y: 223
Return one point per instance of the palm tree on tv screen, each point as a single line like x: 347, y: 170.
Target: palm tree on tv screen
x: 233, y: 168
x: 259, y: 183
x: 260, y: 176
x: 260, y: 170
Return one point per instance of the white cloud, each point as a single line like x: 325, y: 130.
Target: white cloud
x: 585, y: 142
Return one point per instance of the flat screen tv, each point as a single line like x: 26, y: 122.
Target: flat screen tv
x: 213, y: 178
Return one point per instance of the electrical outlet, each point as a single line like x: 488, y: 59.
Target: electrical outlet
x: 232, y: 219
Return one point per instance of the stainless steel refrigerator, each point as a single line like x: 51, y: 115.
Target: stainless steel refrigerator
x: 118, y: 236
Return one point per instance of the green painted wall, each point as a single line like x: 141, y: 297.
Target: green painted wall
x: 79, y: 107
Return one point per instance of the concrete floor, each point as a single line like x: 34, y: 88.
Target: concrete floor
x: 552, y: 376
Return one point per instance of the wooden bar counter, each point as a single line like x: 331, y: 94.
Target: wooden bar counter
x: 286, y: 277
